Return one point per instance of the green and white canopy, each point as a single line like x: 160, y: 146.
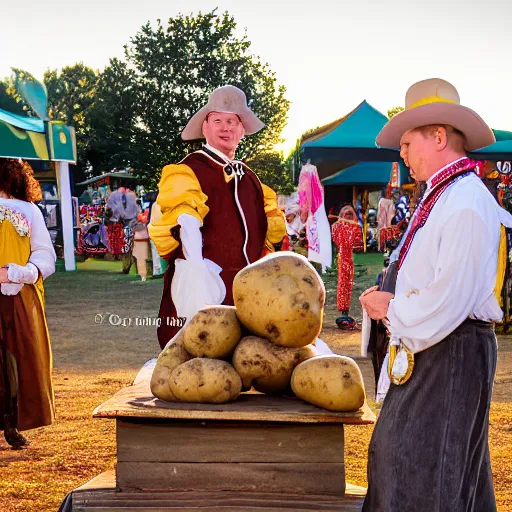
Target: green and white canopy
x: 33, y: 139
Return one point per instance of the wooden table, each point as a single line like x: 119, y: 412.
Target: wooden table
x: 259, y: 453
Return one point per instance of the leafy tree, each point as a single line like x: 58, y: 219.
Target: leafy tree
x: 271, y: 169
x: 296, y: 156
x: 71, y: 94
x: 112, y: 120
x: 394, y: 111
x: 10, y: 100
x: 176, y: 66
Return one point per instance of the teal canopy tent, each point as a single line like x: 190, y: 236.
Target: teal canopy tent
x: 500, y: 150
x: 39, y: 138
x: 349, y: 139
x: 366, y: 174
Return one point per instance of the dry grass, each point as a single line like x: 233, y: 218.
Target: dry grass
x: 92, y: 361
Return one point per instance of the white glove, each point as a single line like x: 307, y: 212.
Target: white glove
x: 28, y: 274
x: 191, y: 238
x: 196, y: 282
x: 10, y: 288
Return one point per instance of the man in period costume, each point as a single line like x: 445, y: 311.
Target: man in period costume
x: 429, y: 450
x: 216, y: 215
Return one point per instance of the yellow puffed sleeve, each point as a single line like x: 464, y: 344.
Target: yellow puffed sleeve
x: 179, y: 192
x: 276, y: 229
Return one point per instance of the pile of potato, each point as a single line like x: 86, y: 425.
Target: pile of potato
x: 265, y: 342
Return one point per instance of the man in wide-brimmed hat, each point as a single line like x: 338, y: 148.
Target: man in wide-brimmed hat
x: 216, y: 215
x: 429, y: 451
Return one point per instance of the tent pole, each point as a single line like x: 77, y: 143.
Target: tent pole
x: 66, y: 213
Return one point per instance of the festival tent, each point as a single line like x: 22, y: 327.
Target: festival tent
x: 499, y: 151
x: 107, y: 178
x: 366, y: 174
x: 33, y: 138
x: 347, y: 140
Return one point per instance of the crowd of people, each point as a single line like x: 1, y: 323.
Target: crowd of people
x: 115, y: 222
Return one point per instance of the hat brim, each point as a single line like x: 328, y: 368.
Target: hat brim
x: 478, y: 134
x: 194, y: 128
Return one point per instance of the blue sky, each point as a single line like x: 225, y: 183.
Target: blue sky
x: 329, y: 54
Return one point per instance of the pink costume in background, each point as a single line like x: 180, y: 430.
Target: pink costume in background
x: 311, y: 201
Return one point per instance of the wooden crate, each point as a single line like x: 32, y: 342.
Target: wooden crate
x: 100, y: 495
x: 259, y: 453
x: 230, y: 456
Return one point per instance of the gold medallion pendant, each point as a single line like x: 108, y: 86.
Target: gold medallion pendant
x: 401, y: 364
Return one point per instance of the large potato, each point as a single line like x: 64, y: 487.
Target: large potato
x: 281, y: 298
x: 213, y: 332
x: 170, y: 358
x: 205, y: 381
x: 266, y: 366
x: 332, y: 382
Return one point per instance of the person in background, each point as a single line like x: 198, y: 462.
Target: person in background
x: 347, y: 235
x: 26, y: 258
x: 152, y: 208
x: 140, y: 244
x: 124, y: 210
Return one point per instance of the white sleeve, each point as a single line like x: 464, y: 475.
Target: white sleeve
x: 42, y: 253
x: 191, y: 238
x: 195, y: 273
x: 425, y: 318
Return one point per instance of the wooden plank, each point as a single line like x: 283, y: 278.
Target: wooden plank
x: 103, y: 481
x: 137, y: 401
x: 228, y: 442
x: 99, y: 495
x: 243, y: 477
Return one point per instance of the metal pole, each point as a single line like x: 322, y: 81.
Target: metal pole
x: 66, y: 213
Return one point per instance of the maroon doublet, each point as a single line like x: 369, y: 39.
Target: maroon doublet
x: 226, y: 228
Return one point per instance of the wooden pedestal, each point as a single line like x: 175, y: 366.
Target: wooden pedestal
x: 259, y: 453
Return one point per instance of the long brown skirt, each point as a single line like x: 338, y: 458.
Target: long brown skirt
x: 429, y: 451
x: 26, y: 392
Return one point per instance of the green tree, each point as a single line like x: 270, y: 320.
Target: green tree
x: 394, y: 111
x: 10, y: 100
x: 296, y: 156
x: 272, y: 170
x: 113, y: 119
x: 176, y: 66
x: 71, y: 95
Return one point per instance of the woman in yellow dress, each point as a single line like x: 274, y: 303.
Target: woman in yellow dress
x: 26, y: 258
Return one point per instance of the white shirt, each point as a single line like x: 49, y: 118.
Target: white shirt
x: 42, y: 253
x: 219, y: 153
x: 450, y: 267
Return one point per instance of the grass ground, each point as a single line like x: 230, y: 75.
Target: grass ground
x: 94, y: 360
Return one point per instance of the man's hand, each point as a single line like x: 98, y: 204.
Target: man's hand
x: 376, y: 303
x: 3, y: 275
x: 368, y: 290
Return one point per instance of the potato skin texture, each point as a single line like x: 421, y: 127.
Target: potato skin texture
x: 170, y: 358
x: 204, y: 380
x: 213, y: 332
x: 281, y: 298
x: 331, y: 382
x: 268, y: 367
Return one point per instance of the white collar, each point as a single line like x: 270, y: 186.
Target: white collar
x: 218, y: 153
x: 429, y: 181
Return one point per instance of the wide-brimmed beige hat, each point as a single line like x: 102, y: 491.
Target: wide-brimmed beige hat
x: 435, y: 101
x: 227, y: 99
